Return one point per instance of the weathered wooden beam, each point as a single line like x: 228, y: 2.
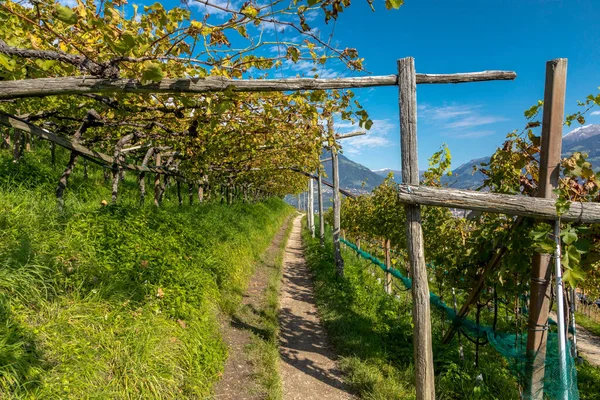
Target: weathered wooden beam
x: 534, y: 207
x: 17, y: 123
x: 421, y: 313
x: 550, y: 154
x: 337, y: 204
x: 349, y: 135
x: 78, y: 85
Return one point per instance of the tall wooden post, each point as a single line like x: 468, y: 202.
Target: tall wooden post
x: 311, y: 206
x: 423, y: 352
x: 157, y: 162
x: 321, y: 220
x: 552, y: 122
x: 388, y: 263
x: 337, y: 253
x: 179, y: 198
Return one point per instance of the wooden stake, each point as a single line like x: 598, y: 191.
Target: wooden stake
x: 157, y: 162
x: 311, y: 205
x: 423, y: 353
x: 552, y: 123
x: 179, y: 198
x: 321, y: 220
x: 388, y: 263
x: 337, y: 253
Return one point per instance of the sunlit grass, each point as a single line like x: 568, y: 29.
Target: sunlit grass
x: 118, y: 301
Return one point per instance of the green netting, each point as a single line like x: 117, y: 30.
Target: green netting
x: 511, y: 346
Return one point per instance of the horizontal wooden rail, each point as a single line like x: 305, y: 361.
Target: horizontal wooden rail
x: 497, y: 203
x: 101, y: 158
x: 76, y: 85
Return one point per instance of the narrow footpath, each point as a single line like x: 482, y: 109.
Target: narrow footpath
x: 307, y: 366
x: 588, y: 345
x: 239, y: 379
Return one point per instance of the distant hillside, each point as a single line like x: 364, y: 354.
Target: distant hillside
x: 385, y: 172
x: 585, y: 139
x: 463, y: 176
x: 397, y: 174
x: 353, y: 174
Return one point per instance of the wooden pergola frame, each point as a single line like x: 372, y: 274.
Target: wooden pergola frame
x: 410, y: 192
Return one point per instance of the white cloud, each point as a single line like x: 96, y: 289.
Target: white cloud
x: 376, y: 137
x: 309, y: 69
x: 456, y: 120
x: 595, y: 113
x: 311, y: 15
x: 214, y: 7
x: 271, y: 26
x: 471, y: 121
x: 475, y: 134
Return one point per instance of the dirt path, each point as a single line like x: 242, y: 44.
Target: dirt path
x: 238, y: 381
x: 307, y: 366
x: 588, y: 345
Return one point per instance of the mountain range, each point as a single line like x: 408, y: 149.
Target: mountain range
x: 358, y: 179
x: 585, y: 139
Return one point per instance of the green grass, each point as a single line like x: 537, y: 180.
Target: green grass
x: 588, y: 376
x: 119, y: 301
x: 588, y: 323
x: 372, y: 332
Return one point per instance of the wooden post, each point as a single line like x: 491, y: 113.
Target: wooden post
x: 157, y: 162
x: 311, y: 206
x: 423, y: 353
x: 321, y: 220
x: 179, y: 198
x: 388, y: 263
x: 5, y: 139
x: 85, y: 169
x: 337, y: 253
x: 552, y: 123
x: 53, y: 154
x: 17, y: 145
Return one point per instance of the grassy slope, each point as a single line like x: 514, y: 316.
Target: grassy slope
x: 588, y: 323
x: 372, y: 332
x: 588, y: 375
x: 116, y: 302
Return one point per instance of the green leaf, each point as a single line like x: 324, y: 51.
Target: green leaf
x: 6, y: 63
x: 569, y: 236
x: 249, y: 11
x: 540, y: 231
x: 395, y: 4
x: 65, y: 14
x: 572, y: 276
x: 546, y: 247
x: 152, y: 72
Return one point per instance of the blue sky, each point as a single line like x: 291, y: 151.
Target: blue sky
x: 454, y: 36
x: 462, y: 36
